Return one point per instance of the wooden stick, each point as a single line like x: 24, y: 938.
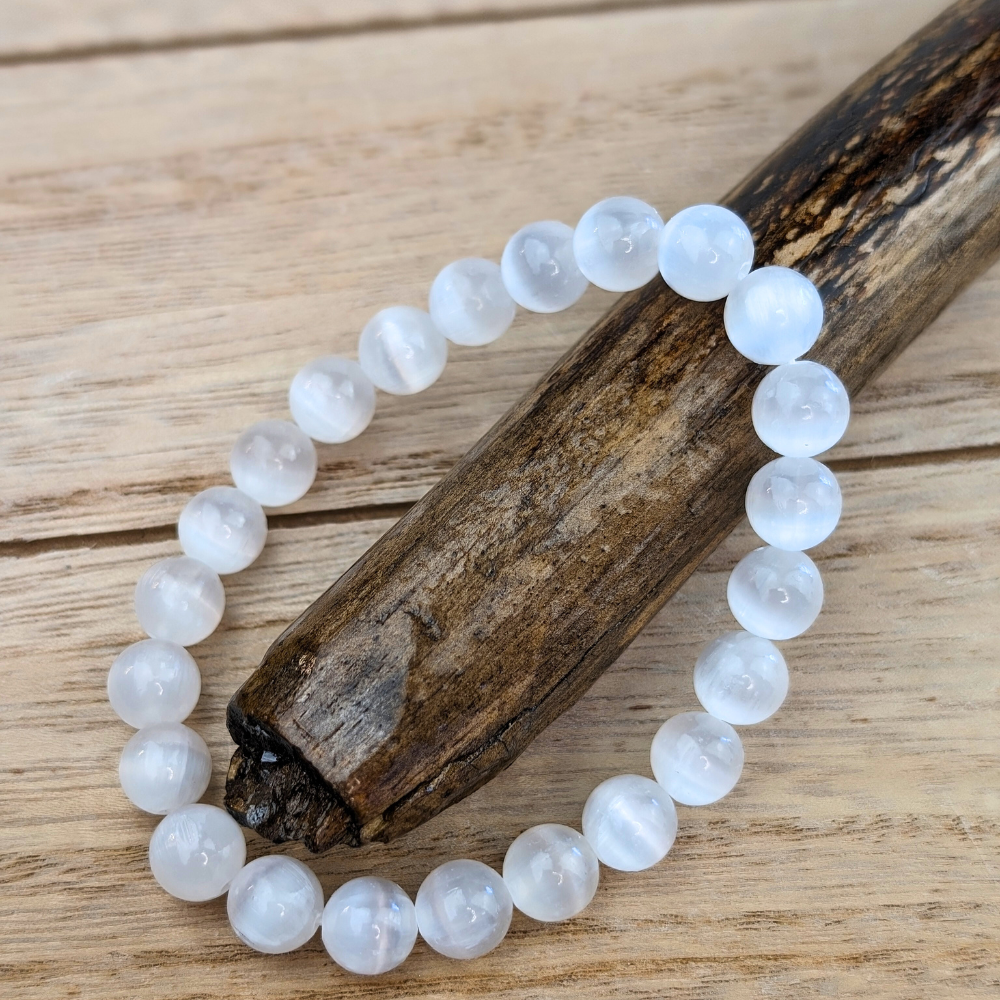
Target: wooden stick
x: 500, y: 597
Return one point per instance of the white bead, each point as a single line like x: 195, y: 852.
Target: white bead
x: 774, y: 315
x: 196, y: 851
x: 275, y: 904
x: 800, y: 409
x: 223, y: 528
x: 774, y: 593
x: 793, y: 503
x: 163, y: 767
x: 539, y: 269
x: 704, y: 251
x: 630, y: 822
x: 153, y: 681
x: 741, y: 678
x: 402, y: 351
x: 551, y: 872
x: 616, y: 242
x: 332, y: 399
x: 369, y: 926
x: 469, y: 304
x: 463, y: 909
x: 274, y: 462
x: 179, y: 600
x: 697, y: 758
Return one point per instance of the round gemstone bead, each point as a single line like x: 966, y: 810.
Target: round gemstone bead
x: 800, y: 409
x: 179, y: 600
x: 469, y: 303
x: 223, y: 528
x: 153, y: 681
x: 630, y: 822
x: 704, y: 251
x: 551, y: 872
x: 539, y: 269
x: 463, y: 909
x: 774, y: 315
x: 196, y: 851
x: 793, y: 503
x: 163, y: 767
x: 275, y: 904
x: 697, y: 758
x: 774, y: 593
x: 274, y: 462
x: 332, y: 399
x: 741, y: 678
x: 616, y: 242
x: 402, y: 351
x: 369, y: 926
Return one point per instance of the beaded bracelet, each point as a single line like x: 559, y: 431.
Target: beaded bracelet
x: 463, y: 908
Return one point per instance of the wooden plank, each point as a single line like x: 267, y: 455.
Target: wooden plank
x: 856, y: 857
x: 166, y: 270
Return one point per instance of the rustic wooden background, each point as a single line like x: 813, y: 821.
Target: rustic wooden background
x: 195, y: 199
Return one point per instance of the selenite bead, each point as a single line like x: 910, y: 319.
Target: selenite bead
x: 332, y: 399
x: 773, y: 315
x: 180, y: 600
x: 697, y: 758
x: 800, y: 409
x: 704, y: 251
x: 223, y: 528
x: 463, y: 909
x: 275, y: 904
x: 793, y: 503
x: 469, y: 303
x: 741, y: 678
x: 551, y: 872
x: 274, y: 462
x: 153, y: 681
x: 402, y: 351
x: 196, y: 851
x: 774, y: 593
x: 630, y: 822
x: 539, y: 269
x: 616, y: 243
x: 369, y: 926
x: 163, y: 767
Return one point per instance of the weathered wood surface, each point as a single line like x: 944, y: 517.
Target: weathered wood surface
x: 859, y: 856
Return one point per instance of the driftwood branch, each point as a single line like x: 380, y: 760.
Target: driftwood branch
x: 499, y: 599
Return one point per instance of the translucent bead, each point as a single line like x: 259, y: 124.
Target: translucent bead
x: 369, y: 926
x: 616, y: 242
x: 774, y: 593
x: 164, y: 767
x: 402, y: 351
x: 274, y: 462
x: 223, y: 528
x: 196, y: 851
x: 469, y: 304
x: 551, y: 872
x: 793, y: 503
x: 153, y: 681
x: 704, y: 251
x: 800, y: 409
x: 179, y: 600
x: 463, y: 909
x: 539, y: 269
x: 332, y: 399
x: 774, y: 315
x: 275, y: 904
x: 741, y: 678
x: 630, y: 822
x: 697, y: 758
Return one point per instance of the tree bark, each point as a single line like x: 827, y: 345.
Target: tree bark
x: 492, y: 605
